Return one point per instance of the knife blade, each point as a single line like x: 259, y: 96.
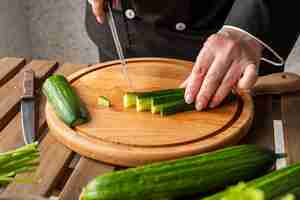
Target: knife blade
x: 279, y: 143
x: 118, y: 46
x: 28, y: 108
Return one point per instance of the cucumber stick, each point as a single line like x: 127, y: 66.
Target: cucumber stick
x: 144, y: 99
x: 103, y: 101
x: 186, y: 176
x: 129, y: 100
x: 158, y: 102
x: 66, y: 103
x: 176, y: 107
x: 274, y: 184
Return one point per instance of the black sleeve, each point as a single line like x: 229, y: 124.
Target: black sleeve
x: 274, y: 22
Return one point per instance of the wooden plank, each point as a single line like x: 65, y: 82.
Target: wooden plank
x: 85, y: 171
x: 54, y: 156
x: 12, y: 90
x: 290, y: 109
x: 261, y: 132
x: 9, y: 67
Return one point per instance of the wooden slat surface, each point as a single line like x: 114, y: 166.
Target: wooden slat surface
x: 54, y: 156
x: 9, y: 67
x: 290, y: 108
x: 12, y: 90
x: 85, y: 171
x: 262, y: 132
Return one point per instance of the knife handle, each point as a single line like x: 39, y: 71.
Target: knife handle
x: 28, y: 84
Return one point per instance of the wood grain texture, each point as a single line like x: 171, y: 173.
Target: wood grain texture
x: 126, y: 126
x: 11, y: 137
x: 262, y: 132
x: 290, y: 109
x: 152, y: 74
x: 85, y: 171
x: 10, y: 67
x: 12, y: 90
x: 277, y: 83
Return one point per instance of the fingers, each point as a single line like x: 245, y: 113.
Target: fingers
x: 249, y: 77
x: 212, y: 81
x: 229, y: 81
x: 98, y: 10
x: 203, y: 62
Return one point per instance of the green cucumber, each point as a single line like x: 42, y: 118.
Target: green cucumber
x: 158, y: 102
x: 177, y: 107
x: 129, y: 100
x: 142, y: 100
x: 103, y: 101
x: 65, y: 102
x: 274, y: 184
x: 181, y: 177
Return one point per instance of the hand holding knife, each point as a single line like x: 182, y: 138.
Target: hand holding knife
x: 28, y: 108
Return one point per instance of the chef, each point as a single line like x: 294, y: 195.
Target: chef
x: 227, y: 39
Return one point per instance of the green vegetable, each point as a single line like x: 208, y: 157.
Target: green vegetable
x: 288, y: 197
x: 179, y: 106
x: 103, y: 101
x: 178, y: 178
x: 144, y: 99
x: 63, y: 99
x: 158, y: 102
x: 129, y: 100
x: 17, y: 161
x: 273, y: 184
x: 242, y: 192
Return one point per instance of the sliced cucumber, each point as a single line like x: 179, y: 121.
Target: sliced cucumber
x: 176, y: 107
x: 129, y: 100
x: 143, y: 99
x: 158, y: 102
x: 103, y: 101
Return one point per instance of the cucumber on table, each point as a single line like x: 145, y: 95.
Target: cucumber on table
x: 274, y: 184
x: 178, y: 178
x: 66, y: 103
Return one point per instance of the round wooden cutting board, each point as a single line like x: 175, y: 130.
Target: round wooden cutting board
x: 129, y: 138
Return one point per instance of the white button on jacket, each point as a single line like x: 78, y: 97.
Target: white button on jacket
x: 130, y: 14
x: 180, y: 26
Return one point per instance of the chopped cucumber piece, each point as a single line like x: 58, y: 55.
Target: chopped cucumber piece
x: 143, y: 103
x: 176, y: 107
x: 103, y: 101
x: 158, y: 102
x: 129, y: 100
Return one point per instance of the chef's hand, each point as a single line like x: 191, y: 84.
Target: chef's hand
x: 227, y: 60
x: 98, y: 9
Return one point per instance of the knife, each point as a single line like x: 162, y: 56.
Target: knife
x: 28, y: 107
x: 279, y: 143
x: 118, y: 46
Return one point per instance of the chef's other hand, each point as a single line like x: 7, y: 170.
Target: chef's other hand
x: 228, y: 59
x: 98, y: 9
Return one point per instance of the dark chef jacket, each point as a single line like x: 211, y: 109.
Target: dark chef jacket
x: 178, y: 28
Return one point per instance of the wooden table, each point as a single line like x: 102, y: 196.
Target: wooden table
x: 63, y: 173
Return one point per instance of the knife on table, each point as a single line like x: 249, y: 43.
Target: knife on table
x: 28, y: 107
x: 112, y: 26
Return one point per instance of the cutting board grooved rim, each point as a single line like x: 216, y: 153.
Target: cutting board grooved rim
x: 226, y: 126
x: 132, y: 155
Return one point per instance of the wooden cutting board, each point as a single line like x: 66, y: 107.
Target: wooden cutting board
x: 129, y: 138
